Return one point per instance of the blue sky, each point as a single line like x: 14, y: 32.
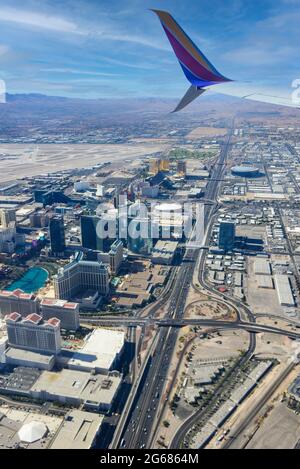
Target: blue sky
x: 116, y: 48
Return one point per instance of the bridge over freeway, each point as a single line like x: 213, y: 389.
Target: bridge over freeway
x: 178, y: 323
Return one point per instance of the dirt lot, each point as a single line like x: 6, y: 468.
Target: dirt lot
x: 281, y: 430
x: 228, y: 344
x: 206, y: 132
x: 208, y: 309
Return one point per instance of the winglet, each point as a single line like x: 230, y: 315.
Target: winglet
x: 196, y: 67
x: 191, y: 94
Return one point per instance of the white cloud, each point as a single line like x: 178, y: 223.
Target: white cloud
x: 122, y: 63
x: 135, y: 39
x: 38, y: 20
x: 258, y: 55
x: 56, y: 23
x: 73, y: 71
x: 3, y: 49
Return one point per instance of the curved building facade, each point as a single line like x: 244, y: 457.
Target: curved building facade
x: 245, y: 171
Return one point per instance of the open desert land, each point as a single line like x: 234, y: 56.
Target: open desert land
x: 206, y: 132
x: 32, y: 160
x: 280, y: 430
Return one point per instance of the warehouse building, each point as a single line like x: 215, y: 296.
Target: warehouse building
x: 238, y: 280
x: 284, y: 290
x: 262, y: 267
x: 265, y: 281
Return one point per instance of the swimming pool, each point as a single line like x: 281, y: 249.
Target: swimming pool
x: 34, y: 279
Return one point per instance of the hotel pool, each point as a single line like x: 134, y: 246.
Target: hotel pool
x: 34, y: 279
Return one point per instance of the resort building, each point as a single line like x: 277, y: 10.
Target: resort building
x: 81, y: 277
x: 18, y: 302
x: 66, y: 312
x: 32, y: 333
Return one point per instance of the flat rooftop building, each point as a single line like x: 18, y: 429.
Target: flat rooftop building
x: 262, y: 267
x: 284, y: 291
x: 164, y: 252
x: 76, y: 388
x: 78, y: 431
x: 101, y: 352
x: 265, y: 281
x: 18, y: 357
x: 238, y: 280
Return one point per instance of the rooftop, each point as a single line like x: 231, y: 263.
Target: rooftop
x: 27, y: 355
x: 166, y: 247
x: 13, y: 317
x: 100, y: 349
x: 78, y: 431
x: 12, y: 420
x: 17, y: 294
x: 78, y: 385
x: 32, y: 432
x: 295, y: 388
x: 58, y: 303
x: 34, y: 319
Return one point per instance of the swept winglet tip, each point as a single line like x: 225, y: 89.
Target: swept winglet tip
x: 159, y: 12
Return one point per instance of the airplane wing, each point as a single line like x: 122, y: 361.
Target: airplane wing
x: 264, y: 94
x: 196, y: 67
x: 202, y: 75
x: 191, y: 94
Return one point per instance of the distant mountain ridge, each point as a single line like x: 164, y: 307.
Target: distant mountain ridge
x: 43, y: 98
x: 42, y: 118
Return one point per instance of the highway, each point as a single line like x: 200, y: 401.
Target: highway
x: 173, y: 322
x: 137, y: 432
x: 251, y: 327
x: 247, y: 326
x: 144, y: 408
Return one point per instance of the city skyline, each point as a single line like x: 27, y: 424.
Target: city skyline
x: 149, y: 260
